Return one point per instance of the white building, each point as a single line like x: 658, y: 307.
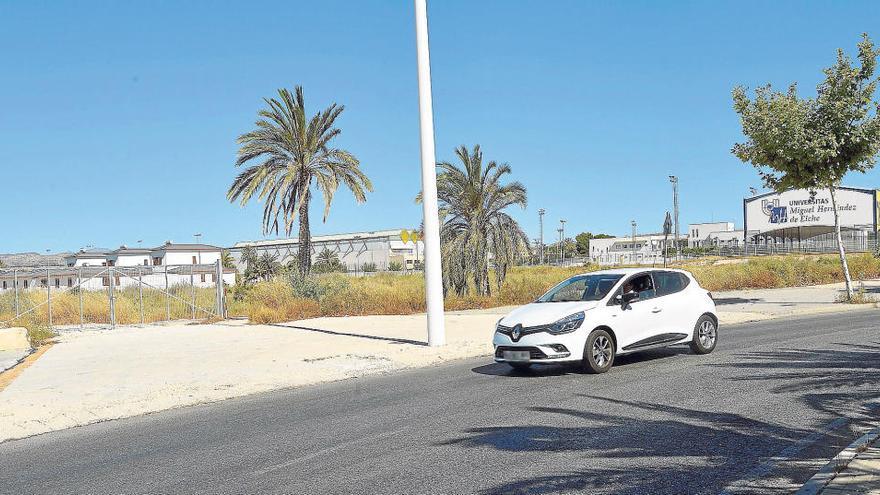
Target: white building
x: 161, y: 267
x: 354, y: 250
x: 642, y: 249
x: 713, y: 234
x: 799, y: 219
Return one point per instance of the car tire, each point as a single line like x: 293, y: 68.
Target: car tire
x: 598, y: 352
x: 705, y: 335
x: 520, y: 366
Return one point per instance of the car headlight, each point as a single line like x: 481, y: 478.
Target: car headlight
x: 568, y: 324
x: 498, y: 325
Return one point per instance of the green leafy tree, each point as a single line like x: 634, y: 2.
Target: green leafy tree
x: 582, y: 241
x: 250, y: 259
x: 227, y: 260
x: 813, y: 143
x: 395, y: 266
x: 292, y: 154
x: 475, y: 224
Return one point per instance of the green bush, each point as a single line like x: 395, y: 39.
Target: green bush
x: 369, y: 267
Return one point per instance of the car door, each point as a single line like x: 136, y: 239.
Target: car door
x: 674, y: 320
x: 637, y: 322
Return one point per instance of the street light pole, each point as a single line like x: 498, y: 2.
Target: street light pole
x: 674, y: 180
x: 562, y: 239
x: 541, y: 213
x: 633, y: 222
x: 433, y: 281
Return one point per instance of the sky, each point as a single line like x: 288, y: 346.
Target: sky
x: 118, y: 120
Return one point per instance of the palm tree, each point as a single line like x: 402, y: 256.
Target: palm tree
x: 226, y: 260
x: 292, y: 154
x: 473, y: 201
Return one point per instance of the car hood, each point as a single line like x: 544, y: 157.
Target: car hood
x: 545, y: 313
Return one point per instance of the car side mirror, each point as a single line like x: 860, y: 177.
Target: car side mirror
x: 627, y: 298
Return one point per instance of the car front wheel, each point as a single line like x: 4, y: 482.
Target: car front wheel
x: 705, y: 335
x: 598, y: 352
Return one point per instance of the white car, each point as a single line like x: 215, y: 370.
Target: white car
x: 596, y: 316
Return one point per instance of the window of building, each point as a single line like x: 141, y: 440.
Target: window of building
x: 105, y: 281
x: 194, y: 260
x: 213, y: 277
x: 146, y: 262
x: 4, y: 284
x: 202, y: 277
x: 25, y: 284
x: 57, y: 283
x: 69, y: 282
x: 157, y: 261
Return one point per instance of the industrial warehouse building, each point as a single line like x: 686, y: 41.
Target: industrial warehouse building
x: 355, y: 249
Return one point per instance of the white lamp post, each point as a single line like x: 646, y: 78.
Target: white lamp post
x: 433, y: 281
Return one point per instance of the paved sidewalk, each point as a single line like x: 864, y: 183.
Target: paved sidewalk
x: 95, y: 375
x: 861, y: 475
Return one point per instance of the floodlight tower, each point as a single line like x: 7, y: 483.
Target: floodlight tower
x: 674, y: 180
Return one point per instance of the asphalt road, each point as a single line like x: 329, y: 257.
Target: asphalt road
x: 760, y: 414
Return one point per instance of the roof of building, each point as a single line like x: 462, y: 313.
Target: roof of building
x: 89, y: 253
x: 123, y: 249
x: 375, y: 234
x: 170, y: 246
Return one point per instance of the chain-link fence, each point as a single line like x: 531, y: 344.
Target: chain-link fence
x: 59, y: 298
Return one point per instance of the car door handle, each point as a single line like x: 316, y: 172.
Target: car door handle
x: 656, y: 310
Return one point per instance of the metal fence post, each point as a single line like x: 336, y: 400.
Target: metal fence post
x: 79, y: 286
x: 192, y: 284
x: 49, y: 295
x: 167, y: 297
x: 218, y: 283
x: 111, y: 298
x: 141, y: 292
x: 15, y: 286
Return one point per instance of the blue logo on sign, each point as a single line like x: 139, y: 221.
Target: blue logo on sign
x: 779, y: 214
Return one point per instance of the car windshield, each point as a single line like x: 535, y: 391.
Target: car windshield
x: 582, y: 288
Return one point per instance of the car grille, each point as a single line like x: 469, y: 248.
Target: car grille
x: 525, y: 330
x: 534, y: 352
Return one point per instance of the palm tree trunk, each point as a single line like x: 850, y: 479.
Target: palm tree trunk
x: 304, y: 254
x: 840, y: 250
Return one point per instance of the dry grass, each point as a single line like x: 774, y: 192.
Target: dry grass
x: 96, y: 308
x: 386, y: 293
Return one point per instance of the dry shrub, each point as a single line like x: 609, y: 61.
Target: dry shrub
x: 275, y: 302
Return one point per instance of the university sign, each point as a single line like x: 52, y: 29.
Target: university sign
x: 858, y: 208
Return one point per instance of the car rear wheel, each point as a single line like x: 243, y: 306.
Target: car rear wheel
x: 705, y: 335
x: 520, y: 366
x: 598, y: 352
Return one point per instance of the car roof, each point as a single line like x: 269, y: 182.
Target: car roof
x: 631, y: 271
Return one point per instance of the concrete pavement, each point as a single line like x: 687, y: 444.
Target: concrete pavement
x: 759, y: 415
x: 92, y: 376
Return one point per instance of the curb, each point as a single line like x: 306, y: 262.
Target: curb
x: 19, y: 361
x: 839, y: 462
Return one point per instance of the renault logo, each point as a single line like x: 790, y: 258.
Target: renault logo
x: 516, y: 332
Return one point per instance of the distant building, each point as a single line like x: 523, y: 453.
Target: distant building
x: 641, y: 249
x: 800, y: 219
x: 166, y: 254
x: 713, y: 234
x: 166, y: 265
x: 381, y: 247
